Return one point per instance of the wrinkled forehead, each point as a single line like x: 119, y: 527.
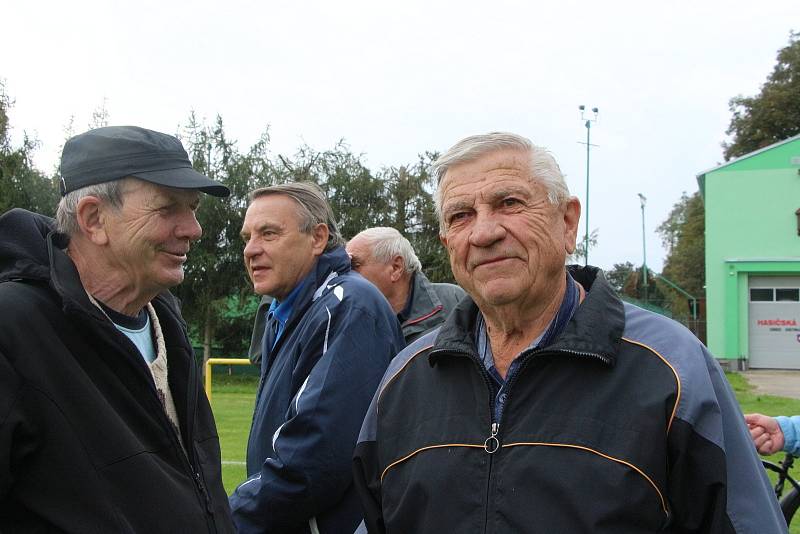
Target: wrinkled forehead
x: 492, y: 163
x: 507, y: 170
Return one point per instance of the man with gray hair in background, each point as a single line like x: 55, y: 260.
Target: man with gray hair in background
x: 103, y: 424
x: 544, y: 403
x: 328, y: 339
x: 386, y: 258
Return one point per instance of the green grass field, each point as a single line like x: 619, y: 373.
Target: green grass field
x: 232, y: 400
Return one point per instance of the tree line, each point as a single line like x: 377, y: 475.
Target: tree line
x: 217, y: 297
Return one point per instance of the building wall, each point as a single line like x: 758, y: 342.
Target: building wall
x: 751, y: 227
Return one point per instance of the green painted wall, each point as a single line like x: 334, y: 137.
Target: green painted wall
x: 751, y: 227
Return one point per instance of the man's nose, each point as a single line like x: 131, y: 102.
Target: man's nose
x: 486, y: 231
x: 251, y: 249
x: 189, y: 228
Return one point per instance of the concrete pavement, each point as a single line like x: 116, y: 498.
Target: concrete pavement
x: 774, y: 382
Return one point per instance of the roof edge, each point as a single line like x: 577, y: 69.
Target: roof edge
x: 749, y: 155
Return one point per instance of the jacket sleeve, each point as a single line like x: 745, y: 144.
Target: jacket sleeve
x: 717, y: 483
x: 790, y: 426
x: 310, y: 467
x: 366, y: 475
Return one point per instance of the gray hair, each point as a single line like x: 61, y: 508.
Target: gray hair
x: 314, y: 208
x: 544, y: 167
x: 386, y: 243
x: 67, y: 210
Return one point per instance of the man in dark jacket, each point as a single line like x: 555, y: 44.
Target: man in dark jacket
x: 384, y: 257
x: 543, y: 403
x: 329, y: 337
x: 103, y: 425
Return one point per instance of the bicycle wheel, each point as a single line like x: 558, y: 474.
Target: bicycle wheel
x: 789, y: 504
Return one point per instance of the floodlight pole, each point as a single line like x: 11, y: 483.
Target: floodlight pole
x: 588, y: 125
x: 643, y: 201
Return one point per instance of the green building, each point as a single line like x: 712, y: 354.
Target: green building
x: 753, y: 258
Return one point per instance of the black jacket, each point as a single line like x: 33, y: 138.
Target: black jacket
x: 85, y: 445
x: 624, y: 424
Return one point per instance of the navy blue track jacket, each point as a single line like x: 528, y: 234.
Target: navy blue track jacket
x: 316, y: 384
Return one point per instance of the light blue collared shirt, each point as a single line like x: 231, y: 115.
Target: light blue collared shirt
x: 281, y: 311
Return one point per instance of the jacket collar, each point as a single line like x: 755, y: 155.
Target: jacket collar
x: 321, y: 279
x: 594, y: 331
x: 65, y: 279
x: 425, y: 302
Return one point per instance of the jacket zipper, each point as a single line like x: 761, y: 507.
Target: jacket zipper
x: 604, y: 359
x: 192, y: 393
x: 492, y: 443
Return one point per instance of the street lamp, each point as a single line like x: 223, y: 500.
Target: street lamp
x: 643, y: 201
x: 588, y: 125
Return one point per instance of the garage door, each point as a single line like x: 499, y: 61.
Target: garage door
x: 774, y: 322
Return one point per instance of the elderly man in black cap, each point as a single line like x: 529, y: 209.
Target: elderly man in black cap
x: 103, y: 425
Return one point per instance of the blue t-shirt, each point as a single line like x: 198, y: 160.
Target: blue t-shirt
x: 137, y: 329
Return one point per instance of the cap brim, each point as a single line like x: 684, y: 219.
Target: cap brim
x: 184, y: 178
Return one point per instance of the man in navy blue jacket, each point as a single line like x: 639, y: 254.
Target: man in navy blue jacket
x: 329, y: 337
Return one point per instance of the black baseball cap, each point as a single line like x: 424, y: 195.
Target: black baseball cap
x: 115, y: 152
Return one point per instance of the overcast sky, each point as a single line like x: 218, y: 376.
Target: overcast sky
x: 398, y: 78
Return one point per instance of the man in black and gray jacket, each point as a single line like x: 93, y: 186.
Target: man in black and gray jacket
x: 384, y: 257
x: 103, y: 424
x: 544, y: 404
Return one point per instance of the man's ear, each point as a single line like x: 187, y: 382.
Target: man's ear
x: 572, y: 215
x: 398, y: 267
x: 91, y: 217
x: 320, y: 235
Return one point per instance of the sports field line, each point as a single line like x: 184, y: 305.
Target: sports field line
x: 233, y: 462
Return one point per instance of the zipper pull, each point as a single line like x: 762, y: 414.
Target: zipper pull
x: 199, y: 481
x: 492, y: 444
